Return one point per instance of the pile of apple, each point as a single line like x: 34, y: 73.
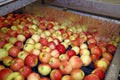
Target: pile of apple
x: 39, y: 48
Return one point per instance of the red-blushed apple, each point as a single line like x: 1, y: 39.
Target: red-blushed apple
x: 65, y: 44
x: 1, y: 67
x: 86, y: 59
x: 25, y: 71
x: 54, y: 62
x: 67, y: 77
x: 70, y: 53
x: 28, y: 47
x: 76, y: 62
x: 107, y: 61
x: 107, y: 56
x: 4, y: 73
x: 94, y: 57
x: 44, y: 41
x: 15, y: 76
x: 35, y: 37
x: 7, y: 60
x: 51, y: 44
x: 55, y: 74
x: 44, y: 57
x: 12, y: 40
x: 7, y: 46
x: 22, y: 55
x: 65, y: 67
x: 56, y: 41
x: 64, y: 57
x: 54, y: 53
x: 76, y: 49
x: 3, y: 53
x: 19, y: 44
x: 60, y: 48
x: 21, y: 37
x: 84, y: 46
x: 45, y: 49
x: 77, y: 74
x: 91, y: 45
x: 44, y: 69
x: 44, y: 78
x: 13, y: 51
x: 103, y: 49
x: 50, y: 26
x: 91, y: 40
x: 91, y: 77
x: 35, y: 52
x: 96, y: 50
x: 2, y: 42
x: 16, y: 64
x: 101, y: 64
x: 31, y: 60
x: 99, y: 72
x: 110, y: 48
x: 84, y: 52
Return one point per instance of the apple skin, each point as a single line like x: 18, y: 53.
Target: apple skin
x: 44, y: 78
x: 44, y: 57
x: 13, y: 51
x: 63, y: 57
x: 91, y: 77
x: 44, y: 69
x: 86, y: 59
x: 3, y: 53
x: 107, y: 56
x: 99, y: 72
x: 54, y: 53
x: 76, y: 62
x: 2, y: 43
x: 54, y: 62
x: 65, y: 67
x: 22, y: 55
x: 28, y: 47
x: 7, y: 60
x: 84, y: 52
x: 70, y: 53
x: 67, y: 77
x: 44, y: 41
x: 1, y: 67
x: 77, y: 74
x: 60, y: 48
x: 110, y: 48
x: 31, y: 60
x: 19, y: 44
x: 91, y: 45
x: 25, y: 71
x: 55, y: 74
x: 51, y: 44
x: 4, y: 73
x: 15, y: 76
x: 16, y: 64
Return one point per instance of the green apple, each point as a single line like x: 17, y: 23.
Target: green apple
x: 28, y: 47
x: 3, y: 54
x: 7, y: 46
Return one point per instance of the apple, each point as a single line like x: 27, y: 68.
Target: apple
x: 45, y: 49
x: 65, y: 67
x: 84, y: 52
x: 77, y: 74
x: 15, y: 76
x: 91, y: 77
x: 13, y: 51
x: 101, y: 64
x: 1, y: 67
x: 106, y: 60
x: 110, y: 48
x: 31, y: 60
x: 28, y: 47
x: 76, y: 49
x: 2, y: 42
x: 3, y: 53
x: 35, y: 37
x: 44, y: 69
x: 7, y: 46
x: 55, y: 74
x: 19, y: 44
x: 54, y: 62
x: 21, y: 37
x: 27, y: 35
x: 37, y: 46
x: 54, y: 53
x: 65, y: 44
x: 63, y: 57
x: 56, y: 41
x: 47, y: 33
x: 67, y: 77
x: 12, y: 40
x: 44, y: 57
x: 91, y: 40
x: 60, y: 48
x: 30, y: 41
x: 7, y: 60
x: 44, y: 41
x: 94, y: 57
x: 50, y: 25
x: 4, y: 73
x: 107, y: 56
x: 76, y: 62
x: 86, y: 59
x: 91, y: 45
x: 83, y: 46
x: 51, y: 44
x: 35, y: 52
x: 99, y: 72
x: 25, y: 71
x: 16, y: 64
x: 70, y: 53
x: 22, y: 55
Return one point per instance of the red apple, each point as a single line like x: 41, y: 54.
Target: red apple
x: 54, y: 62
x: 91, y: 40
x: 107, y: 56
x: 99, y: 72
x: 97, y: 51
x: 54, y: 53
x: 55, y: 74
x: 65, y: 67
x: 4, y: 73
x: 91, y: 45
x: 16, y: 64
x: 94, y: 57
x: 44, y: 57
x: 19, y: 44
x: 25, y: 71
x: 63, y: 57
x: 33, y: 76
x: 13, y: 51
x: 1, y: 67
x: 70, y: 53
x: 50, y: 26
x: 44, y: 69
x: 7, y: 60
x: 60, y: 48
x: 91, y: 77
x: 67, y: 77
x: 44, y: 78
x: 44, y: 41
x: 77, y: 74
x: 76, y: 62
x: 2, y: 42
x: 31, y: 60
x: 51, y: 45
x: 111, y: 48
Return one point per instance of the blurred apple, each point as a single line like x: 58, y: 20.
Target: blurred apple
x: 13, y: 51
x: 91, y: 77
x: 67, y: 77
x: 33, y: 76
x: 54, y: 62
x: 86, y: 59
x: 3, y: 53
x: 7, y: 61
x: 63, y: 57
x: 55, y: 74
